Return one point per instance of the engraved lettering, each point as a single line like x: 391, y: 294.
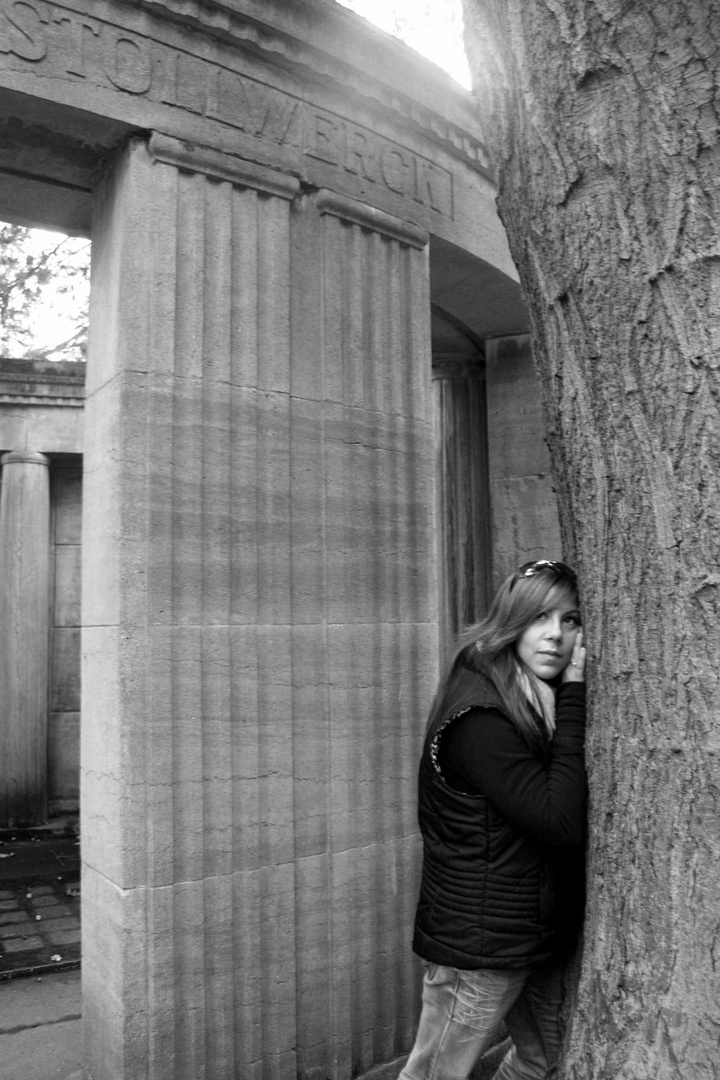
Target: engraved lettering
x: 212, y: 91
x: 271, y: 114
x: 26, y: 36
x: 395, y: 168
x: 293, y: 134
x: 231, y: 100
x: 431, y: 186
x: 103, y: 55
x: 358, y: 156
x: 191, y: 83
x: 76, y: 41
x: 260, y: 108
x: 130, y: 65
x: 373, y: 158
x: 253, y: 108
x: 164, y: 75
x: 323, y: 135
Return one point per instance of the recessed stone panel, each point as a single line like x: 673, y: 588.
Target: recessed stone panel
x: 64, y: 756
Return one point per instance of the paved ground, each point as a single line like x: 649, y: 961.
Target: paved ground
x: 41, y: 1027
x: 40, y: 1002
x: 39, y: 901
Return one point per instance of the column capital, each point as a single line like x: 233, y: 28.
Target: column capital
x: 238, y: 171
x: 369, y: 217
x: 25, y: 457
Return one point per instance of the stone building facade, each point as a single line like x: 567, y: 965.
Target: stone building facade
x: 311, y: 443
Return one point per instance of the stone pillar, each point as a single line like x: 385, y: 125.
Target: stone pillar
x: 24, y: 609
x: 366, y: 650
x: 464, y: 539
x: 260, y: 623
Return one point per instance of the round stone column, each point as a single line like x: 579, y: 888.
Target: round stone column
x: 24, y: 613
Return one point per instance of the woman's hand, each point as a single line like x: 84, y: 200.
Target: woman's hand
x: 575, y: 671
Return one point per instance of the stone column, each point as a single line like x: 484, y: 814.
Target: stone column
x: 24, y: 608
x: 464, y: 538
x: 260, y: 623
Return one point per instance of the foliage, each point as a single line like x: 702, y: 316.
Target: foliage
x: 44, y: 289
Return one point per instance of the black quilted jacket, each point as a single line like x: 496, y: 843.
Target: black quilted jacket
x: 503, y: 876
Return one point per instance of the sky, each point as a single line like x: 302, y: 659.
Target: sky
x: 432, y: 27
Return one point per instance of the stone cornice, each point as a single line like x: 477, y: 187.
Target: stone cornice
x: 51, y: 397
x: 33, y: 382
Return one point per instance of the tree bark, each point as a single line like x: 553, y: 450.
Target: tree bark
x: 602, y: 120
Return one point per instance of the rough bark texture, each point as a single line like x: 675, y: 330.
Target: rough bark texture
x: 602, y: 117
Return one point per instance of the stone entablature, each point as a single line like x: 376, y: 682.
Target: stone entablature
x: 41, y: 405
x: 148, y: 62
x: 29, y: 382
x: 229, y: 76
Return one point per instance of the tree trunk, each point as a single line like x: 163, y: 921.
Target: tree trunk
x: 602, y: 119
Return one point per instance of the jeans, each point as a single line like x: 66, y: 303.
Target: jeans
x: 462, y: 1011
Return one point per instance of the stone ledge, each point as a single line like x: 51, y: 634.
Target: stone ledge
x: 29, y: 382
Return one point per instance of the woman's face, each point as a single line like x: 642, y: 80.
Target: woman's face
x: 546, y: 645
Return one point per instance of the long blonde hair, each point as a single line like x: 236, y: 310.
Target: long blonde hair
x: 488, y: 647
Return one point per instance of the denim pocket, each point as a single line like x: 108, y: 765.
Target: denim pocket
x: 440, y: 975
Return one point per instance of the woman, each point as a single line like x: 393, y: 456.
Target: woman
x: 502, y: 809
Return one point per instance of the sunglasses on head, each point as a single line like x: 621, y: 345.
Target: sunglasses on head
x: 529, y: 569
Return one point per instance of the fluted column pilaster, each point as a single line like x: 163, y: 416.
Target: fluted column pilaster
x: 24, y: 630
x: 188, y: 955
